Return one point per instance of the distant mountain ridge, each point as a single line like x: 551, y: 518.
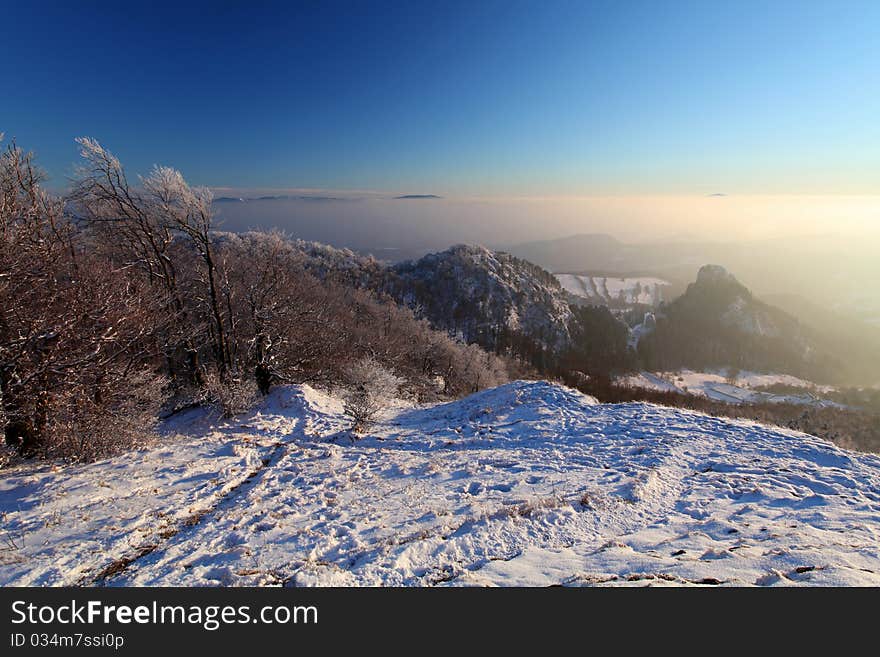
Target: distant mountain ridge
x: 805, y: 265
x: 490, y: 298
x: 280, y: 197
x: 510, y: 305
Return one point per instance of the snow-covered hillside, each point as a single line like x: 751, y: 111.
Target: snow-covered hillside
x: 528, y: 483
x: 486, y: 297
x: 717, y: 322
x: 613, y: 290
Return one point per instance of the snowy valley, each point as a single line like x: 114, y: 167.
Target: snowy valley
x: 734, y: 387
x: 529, y: 483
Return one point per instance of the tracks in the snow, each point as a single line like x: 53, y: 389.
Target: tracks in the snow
x: 121, y: 564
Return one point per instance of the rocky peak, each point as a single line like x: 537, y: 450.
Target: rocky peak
x: 713, y: 274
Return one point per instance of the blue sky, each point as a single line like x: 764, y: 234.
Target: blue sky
x: 504, y: 98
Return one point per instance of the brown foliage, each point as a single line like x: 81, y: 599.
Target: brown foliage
x: 75, y: 331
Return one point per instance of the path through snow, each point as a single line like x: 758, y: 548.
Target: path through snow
x: 526, y: 484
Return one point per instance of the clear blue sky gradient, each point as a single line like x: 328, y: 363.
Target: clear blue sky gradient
x: 448, y: 97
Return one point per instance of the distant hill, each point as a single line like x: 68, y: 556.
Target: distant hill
x: 277, y: 197
x: 509, y: 305
x: 719, y: 323
x: 828, y: 270
x: 486, y: 297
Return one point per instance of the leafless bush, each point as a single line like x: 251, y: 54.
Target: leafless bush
x: 370, y: 386
x: 8, y: 456
x: 233, y: 395
x: 732, y: 375
x: 89, y: 429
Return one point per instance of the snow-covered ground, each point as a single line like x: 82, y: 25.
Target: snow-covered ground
x: 610, y: 289
x: 714, y: 385
x: 526, y: 484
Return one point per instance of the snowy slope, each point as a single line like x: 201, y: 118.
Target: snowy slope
x: 625, y: 291
x: 526, y: 484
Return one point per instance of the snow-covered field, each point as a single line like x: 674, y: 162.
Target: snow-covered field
x: 626, y: 290
x: 715, y: 385
x: 526, y: 484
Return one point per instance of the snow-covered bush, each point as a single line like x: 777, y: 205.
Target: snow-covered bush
x: 79, y: 369
x: 233, y: 395
x: 88, y: 427
x: 370, y: 386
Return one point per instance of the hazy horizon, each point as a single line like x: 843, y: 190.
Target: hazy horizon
x: 499, y: 221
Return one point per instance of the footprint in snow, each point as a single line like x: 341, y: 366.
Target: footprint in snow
x: 712, y: 554
x: 264, y: 526
x: 235, y: 538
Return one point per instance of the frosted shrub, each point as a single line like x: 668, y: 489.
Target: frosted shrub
x: 232, y: 394
x: 87, y: 426
x: 370, y: 386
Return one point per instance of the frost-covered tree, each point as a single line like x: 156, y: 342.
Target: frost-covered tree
x: 288, y: 326
x: 122, y: 294
x: 76, y: 343
x: 155, y: 228
x: 370, y: 386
